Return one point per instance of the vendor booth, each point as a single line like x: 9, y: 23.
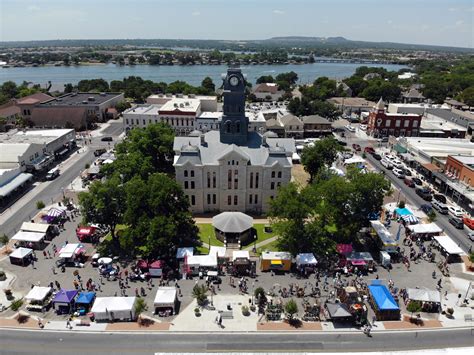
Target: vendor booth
x: 339, y: 312
x: 55, y: 214
x: 86, y: 233
x: 383, y: 304
x: 430, y: 299
x: 344, y: 249
x: 424, y: 231
x: 201, y: 264
x: 241, y: 265
x: 166, y: 301
x: 71, y: 254
x: 21, y: 256
x: 114, y: 308
x: 400, y: 212
x: 39, y: 299
x: 155, y: 268
x: 84, y: 302
x: 275, y: 261
x: 383, y: 238
x: 449, y: 248
x: 220, y: 252
x: 410, y: 219
x: 306, y: 263
x: 49, y: 230
x: 63, y: 301
x: 32, y: 240
x: 361, y: 260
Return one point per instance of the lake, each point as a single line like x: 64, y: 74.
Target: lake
x: 191, y: 74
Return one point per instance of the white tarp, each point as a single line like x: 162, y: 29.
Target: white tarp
x: 69, y: 250
x: 424, y: 295
x: 21, y: 253
x: 165, y: 297
x: 38, y: 293
x: 32, y: 237
x: 203, y: 260
x: 306, y: 259
x: 430, y: 228
x: 354, y: 160
x: 34, y: 227
x: 448, y: 245
x: 220, y: 251
x: 111, y: 308
x: 182, y: 252
x: 240, y: 254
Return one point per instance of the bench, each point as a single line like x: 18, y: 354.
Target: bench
x: 227, y: 314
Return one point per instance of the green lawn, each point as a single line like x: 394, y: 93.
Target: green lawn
x: 261, y: 235
x: 206, y: 230
x: 268, y: 247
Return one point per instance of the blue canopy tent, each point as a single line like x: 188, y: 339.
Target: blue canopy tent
x: 403, y: 212
x: 385, y: 307
x: 84, y: 301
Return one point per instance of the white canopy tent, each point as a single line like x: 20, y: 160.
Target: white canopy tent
x: 424, y: 295
x: 306, y: 259
x: 220, y: 251
x: 166, y: 297
x: 448, y: 245
x: 113, y: 308
x: 430, y: 228
x: 35, y: 227
x: 209, y: 261
x: 182, y: 252
x: 38, y: 293
x: 69, y: 250
x: 21, y: 253
x: 354, y: 160
x: 32, y: 237
x: 244, y: 254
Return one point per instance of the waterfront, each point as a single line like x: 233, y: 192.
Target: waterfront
x: 191, y: 74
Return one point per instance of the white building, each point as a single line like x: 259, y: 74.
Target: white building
x: 235, y: 168
x: 208, y: 103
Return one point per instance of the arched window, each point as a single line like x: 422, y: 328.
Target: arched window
x: 279, y: 174
x: 256, y: 180
x: 227, y: 127
x: 214, y: 179
x: 208, y: 180
x: 185, y: 173
x: 273, y: 174
x: 251, y: 180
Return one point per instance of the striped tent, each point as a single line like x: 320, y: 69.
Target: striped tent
x: 409, y: 218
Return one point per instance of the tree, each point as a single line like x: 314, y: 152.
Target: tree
x: 471, y: 257
x: 68, y: 88
x: 208, y: 85
x: 158, y: 217
x: 311, y: 58
x: 290, y: 77
x: 414, y: 307
x: 291, y: 308
x: 323, y: 153
x: 200, y: 294
x: 145, y: 151
x: 154, y: 59
x: 104, y: 204
x: 122, y: 106
x: 265, y: 79
x: 467, y: 96
x: 140, y: 306
x: 432, y: 216
x: 4, y: 239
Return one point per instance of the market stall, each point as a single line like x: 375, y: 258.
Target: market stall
x: 339, y: 312
x: 449, y: 248
x: 63, y: 301
x: 71, y: 254
x: 306, y: 263
x: 383, y: 304
x: 114, y: 308
x: 32, y: 240
x: 166, y: 301
x: 155, y: 268
x: 400, y: 212
x: 48, y: 229
x: 275, y: 261
x: 55, y: 214
x: 86, y: 233
x: 424, y: 231
x: 201, y: 264
x: 430, y: 299
x: 383, y: 238
x: 84, y: 302
x: 361, y: 260
x: 240, y: 265
x: 21, y: 256
x: 220, y: 252
x: 410, y: 219
x: 39, y: 298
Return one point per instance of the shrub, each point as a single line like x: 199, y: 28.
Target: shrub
x: 200, y: 294
x: 291, y: 308
x: 87, y: 166
x: 16, y: 304
x: 40, y: 204
x: 432, y: 216
x: 3, y: 276
x: 140, y: 306
x: 414, y: 306
x: 450, y: 311
x: 401, y: 204
x: 4, y: 239
x: 471, y: 257
x: 245, y: 311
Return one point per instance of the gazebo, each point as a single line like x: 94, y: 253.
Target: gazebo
x: 233, y: 227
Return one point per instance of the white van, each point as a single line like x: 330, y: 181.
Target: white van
x: 439, y: 206
x: 52, y: 174
x: 386, y: 163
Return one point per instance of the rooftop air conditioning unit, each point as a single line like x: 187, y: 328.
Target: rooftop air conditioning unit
x: 103, y: 94
x: 84, y: 102
x: 91, y: 98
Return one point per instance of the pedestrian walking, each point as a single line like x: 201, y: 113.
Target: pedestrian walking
x: 33, y: 264
x: 58, y: 285
x: 53, y: 269
x: 45, y: 254
x: 49, y: 254
x: 68, y: 323
x: 101, y: 281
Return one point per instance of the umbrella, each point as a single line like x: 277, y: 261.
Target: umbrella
x: 105, y: 261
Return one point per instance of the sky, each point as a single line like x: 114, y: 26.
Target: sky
x: 436, y: 22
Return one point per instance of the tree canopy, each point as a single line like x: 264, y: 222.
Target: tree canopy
x: 320, y: 155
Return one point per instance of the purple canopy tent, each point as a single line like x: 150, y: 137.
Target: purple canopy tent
x: 63, y: 300
x: 53, y: 214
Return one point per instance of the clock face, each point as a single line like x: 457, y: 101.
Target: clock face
x: 234, y: 81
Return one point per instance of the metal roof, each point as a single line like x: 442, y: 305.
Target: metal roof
x: 232, y: 222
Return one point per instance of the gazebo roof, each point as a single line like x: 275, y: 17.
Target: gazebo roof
x: 232, y: 222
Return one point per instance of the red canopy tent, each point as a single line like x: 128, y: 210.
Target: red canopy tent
x: 84, y: 233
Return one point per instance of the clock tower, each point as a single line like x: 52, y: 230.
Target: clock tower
x: 234, y: 124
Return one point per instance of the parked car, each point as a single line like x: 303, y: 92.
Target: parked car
x: 52, y: 174
x: 369, y: 150
x: 377, y: 156
x: 409, y: 182
x: 470, y: 235
x: 342, y: 143
x: 397, y: 164
x: 350, y: 128
x: 455, y: 211
x: 427, y: 208
x: 106, y: 139
x: 441, y: 198
x: 417, y: 181
x: 440, y: 207
x: 407, y: 172
x: 385, y: 163
x: 469, y: 222
x: 99, y: 152
x: 398, y: 173
x: 424, y: 193
x: 456, y: 222
x: 363, y: 127
x: 356, y: 147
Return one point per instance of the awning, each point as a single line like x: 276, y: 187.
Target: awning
x: 70, y: 250
x: 85, y: 298
x: 306, y: 259
x: 276, y: 262
x: 431, y: 228
x: 358, y: 262
x: 344, y: 248
x: 32, y: 237
x: 63, y: 151
x: 424, y: 295
x: 35, y: 227
x: 241, y: 254
x: 431, y: 167
x: 64, y: 296
x: 13, y: 184
x: 448, y: 245
x: 55, y: 212
x: 338, y: 310
x: 403, y: 211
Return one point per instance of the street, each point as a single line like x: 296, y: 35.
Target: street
x: 51, y: 190
x: 42, y: 342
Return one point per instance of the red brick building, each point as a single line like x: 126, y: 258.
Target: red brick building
x: 460, y: 167
x: 383, y: 124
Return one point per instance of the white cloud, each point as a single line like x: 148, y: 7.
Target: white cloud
x: 389, y: 22
x: 196, y: 13
x: 33, y: 8
x: 459, y: 23
x: 452, y: 9
x: 278, y: 12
